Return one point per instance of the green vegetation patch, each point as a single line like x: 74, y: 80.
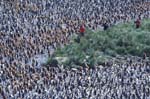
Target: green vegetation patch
x: 95, y: 48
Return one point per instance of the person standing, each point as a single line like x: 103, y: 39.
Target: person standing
x: 81, y: 33
x: 138, y: 23
x: 144, y: 55
x: 105, y: 25
x: 82, y: 30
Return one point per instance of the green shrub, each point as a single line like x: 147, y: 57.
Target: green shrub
x: 96, y: 48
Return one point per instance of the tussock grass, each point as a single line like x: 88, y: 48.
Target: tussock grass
x: 97, y: 47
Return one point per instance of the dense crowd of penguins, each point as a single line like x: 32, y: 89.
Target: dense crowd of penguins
x: 126, y: 78
x: 30, y: 30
